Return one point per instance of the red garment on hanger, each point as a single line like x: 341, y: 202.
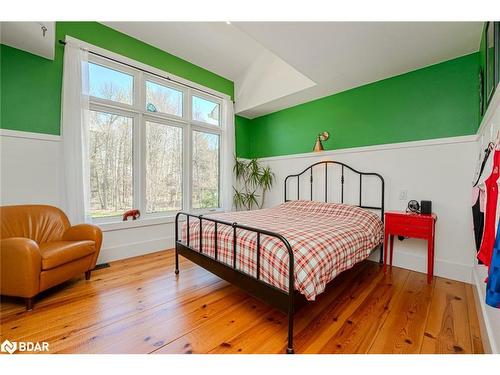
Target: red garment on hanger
x: 490, y: 213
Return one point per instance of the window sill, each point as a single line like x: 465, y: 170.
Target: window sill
x: 147, y: 221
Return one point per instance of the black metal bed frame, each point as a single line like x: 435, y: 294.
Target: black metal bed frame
x: 287, y: 301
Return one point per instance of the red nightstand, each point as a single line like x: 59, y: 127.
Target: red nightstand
x: 414, y: 226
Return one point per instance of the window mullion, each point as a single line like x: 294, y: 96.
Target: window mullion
x: 141, y: 144
x: 137, y: 163
x: 187, y: 156
x: 206, y: 129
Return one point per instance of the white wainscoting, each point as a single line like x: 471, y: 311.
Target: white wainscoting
x: 126, y: 243
x: 30, y: 168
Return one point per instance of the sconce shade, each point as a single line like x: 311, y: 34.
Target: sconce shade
x: 318, y: 146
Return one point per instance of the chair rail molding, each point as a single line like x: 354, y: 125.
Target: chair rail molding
x: 30, y: 135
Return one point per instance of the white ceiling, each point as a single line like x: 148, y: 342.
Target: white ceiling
x: 29, y: 36
x: 215, y: 46
x: 335, y: 56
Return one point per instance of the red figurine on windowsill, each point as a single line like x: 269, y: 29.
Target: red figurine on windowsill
x: 135, y: 214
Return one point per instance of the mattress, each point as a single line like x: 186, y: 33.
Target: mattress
x: 326, y: 239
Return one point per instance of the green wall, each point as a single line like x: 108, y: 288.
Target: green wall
x: 438, y: 101
x: 31, y: 85
x: 243, y: 131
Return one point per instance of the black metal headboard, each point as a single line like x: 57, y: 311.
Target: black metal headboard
x: 343, y: 167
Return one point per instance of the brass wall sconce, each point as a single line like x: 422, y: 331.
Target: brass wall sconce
x: 321, y: 137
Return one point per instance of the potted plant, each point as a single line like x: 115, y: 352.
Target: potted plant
x: 254, y: 180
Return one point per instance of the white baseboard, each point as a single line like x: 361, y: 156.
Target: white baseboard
x: 489, y: 336
x: 442, y: 268
x: 109, y: 254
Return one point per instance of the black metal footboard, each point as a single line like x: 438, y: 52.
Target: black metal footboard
x: 285, y: 301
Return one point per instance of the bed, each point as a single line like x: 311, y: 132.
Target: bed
x: 286, y: 255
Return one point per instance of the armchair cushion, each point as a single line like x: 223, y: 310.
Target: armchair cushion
x: 83, y: 232
x: 57, y: 253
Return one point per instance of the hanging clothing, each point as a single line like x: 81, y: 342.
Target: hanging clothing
x: 490, y: 214
x: 493, y: 286
x: 479, y: 172
x: 478, y: 197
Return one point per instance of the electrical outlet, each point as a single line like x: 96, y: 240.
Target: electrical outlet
x: 403, y: 195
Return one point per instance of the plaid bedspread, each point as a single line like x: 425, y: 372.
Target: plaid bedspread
x: 326, y: 239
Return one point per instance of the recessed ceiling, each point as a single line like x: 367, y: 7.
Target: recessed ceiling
x: 322, y: 58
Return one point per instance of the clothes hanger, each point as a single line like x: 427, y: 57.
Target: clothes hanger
x: 487, y: 151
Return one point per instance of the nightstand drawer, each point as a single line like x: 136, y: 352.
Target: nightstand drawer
x: 407, y: 230
x: 409, y: 222
x: 423, y: 222
x: 409, y: 219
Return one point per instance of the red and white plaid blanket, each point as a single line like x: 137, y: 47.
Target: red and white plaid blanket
x: 326, y: 239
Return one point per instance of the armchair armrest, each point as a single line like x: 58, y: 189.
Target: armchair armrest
x: 83, y: 232
x: 20, y: 267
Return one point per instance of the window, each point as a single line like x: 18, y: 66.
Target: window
x: 153, y: 145
x: 163, y: 167
x: 205, y: 170
x: 110, y: 84
x: 163, y: 99
x: 205, y: 111
x: 110, y: 154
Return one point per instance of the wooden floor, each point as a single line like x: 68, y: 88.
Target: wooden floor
x: 138, y: 306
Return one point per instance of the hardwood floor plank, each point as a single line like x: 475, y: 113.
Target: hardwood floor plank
x: 475, y: 329
x: 272, y: 328
x: 447, y: 330
x: 360, y: 328
x: 156, y: 327
x: 403, y: 330
x: 318, y: 332
x: 217, y: 330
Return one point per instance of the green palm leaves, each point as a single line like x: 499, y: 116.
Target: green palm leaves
x: 253, y: 179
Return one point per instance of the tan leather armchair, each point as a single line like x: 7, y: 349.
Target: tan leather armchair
x: 39, y: 249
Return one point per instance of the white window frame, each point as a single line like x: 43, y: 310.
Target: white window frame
x: 161, y: 82
x: 211, y: 99
x: 119, y: 68
x: 137, y: 111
